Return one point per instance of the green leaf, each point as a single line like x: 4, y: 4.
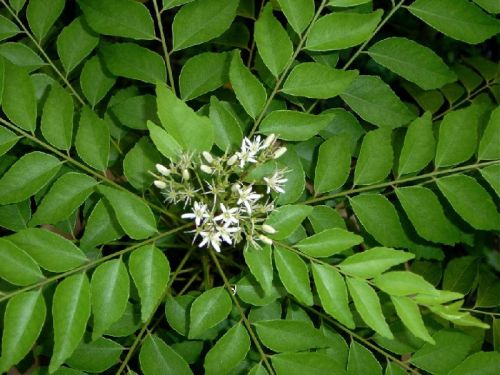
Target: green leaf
x: 169, y: 4
x: 409, y: 314
x: 346, y: 3
x: 71, y: 53
x: 294, y: 125
x: 96, y: 356
x: 21, y: 55
x: 177, y: 313
x: 328, y: 242
x: 248, y: 89
x: 273, y: 43
x: 51, y: 251
x: 305, y: 363
x: 23, y: 321
x: 150, y: 270
x: 125, y: 18
x: 373, y: 262
x: 208, y: 310
x: 413, y: 62
x: 203, y: 73
x: 133, y: 214
x: 15, y: 217
x: 101, y: 226
x: 7, y: 140
x: 488, y: 292
x: 418, y: 147
x: 457, y: 140
x: 460, y: 274
x: 95, y: 81
x: 471, y: 201
x: 93, y: 139
x: 289, y: 335
x: 19, y: 101
x: 70, y: 312
x: 488, y: 147
x: 492, y: 175
x: 458, y: 19
x: 286, y: 219
x: 334, y: 151
x: 425, y: 212
x: 63, y: 198
x: 228, y: 351
x: 156, y: 357
x: 342, y: 30
x: 298, y: 13
x: 164, y: 142
x: 362, y: 361
x: 41, y: 17
x: 132, y: 61
x: 139, y: 162
x: 295, y: 175
x: 375, y: 158
x: 325, y: 217
x: 136, y: 111
x: 480, y: 363
x: 16, y: 266
x: 260, y: 263
x: 380, y: 218
x: 317, y: 81
x: 451, y: 348
x: 228, y: 133
x: 332, y: 292
x: 110, y: 286
x: 294, y: 274
x: 57, y: 118
x: 250, y: 291
x: 8, y: 28
x: 27, y: 176
x: 367, y: 304
x: 403, y: 283
x: 201, y: 21
x: 193, y: 132
x: 374, y: 101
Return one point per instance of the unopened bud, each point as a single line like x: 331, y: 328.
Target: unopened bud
x: 265, y: 239
x: 185, y: 174
x: 235, y: 187
x: 232, y: 160
x: 206, y: 169
x: 268, y: 229
x: 269, y: 141
x: 208, y: 157
x: 279, y: 152
x: 160, y: 184
x: 162, y: 169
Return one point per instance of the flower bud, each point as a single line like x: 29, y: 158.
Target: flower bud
x: 268, y: 229
x: 206, y: 169
x: 208, y: 157
x: 269, y: 140
x: 185, y: 174
x: 232, y: 160
x: 162, y: 169
x: 279, y: 152
x: 265, y: 239
x: 160, y: 184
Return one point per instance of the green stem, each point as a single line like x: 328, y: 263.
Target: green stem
x: 402, y: 181
x: 92, y: 264
x: 242, y: 314
x: 164, y: 47
x: 288, y: 65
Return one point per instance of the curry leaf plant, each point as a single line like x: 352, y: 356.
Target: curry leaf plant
x: 249, y: 187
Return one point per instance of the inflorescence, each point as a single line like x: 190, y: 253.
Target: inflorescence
x: 218, y: 194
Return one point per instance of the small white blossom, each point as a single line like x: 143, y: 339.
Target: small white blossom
x: 225, y: 233
x: 208, y: 157
x: 253, y: 147
x: 185, y: 174
x: 265, y: 239
x: 162, y: 169
x: 247, y: 197
x: 268, y: 141
x: 279, y: 152
x: 211, y: 238
x: 199, y: 213
x: 275, y: 182
x: 228, y: 216
x: 160, y: 184
x: 232, y: 160
x: 206, y: 169
x: 268, y: 229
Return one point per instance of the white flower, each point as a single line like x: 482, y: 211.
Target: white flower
x: 228, y: 216
x: 253, y: 147
x: 245, y: 157
x: 160, y: 184
x: 199, y: 213
x: 225, y: 233
x: 279, y: 152
x: 211, y: 238
x: 275, y: 182
x: 247, y: 197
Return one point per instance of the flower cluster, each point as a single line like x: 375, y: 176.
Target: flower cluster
x: 226, y: 196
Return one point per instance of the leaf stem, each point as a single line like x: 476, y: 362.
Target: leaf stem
x: 164, y: 47
x: 255, y: 340
x: 401, y: 181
